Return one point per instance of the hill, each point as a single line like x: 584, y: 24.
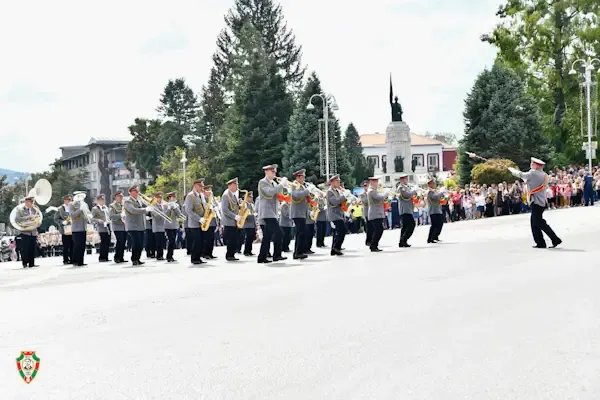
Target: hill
x: 12, y: 175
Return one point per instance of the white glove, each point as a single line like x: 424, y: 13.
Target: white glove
x: 147, y: 218
x: 386, y: 193
x: 283, y: 181
x: 106, y: 224
x: 64, y: 222
x: 238, y: 218
x: 512, y: 170
x: 202, y: 220
x: 332, y: 225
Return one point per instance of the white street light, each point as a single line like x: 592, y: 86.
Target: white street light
x: 589, y: 67
x: 184, y: 161
x: 328, y: 101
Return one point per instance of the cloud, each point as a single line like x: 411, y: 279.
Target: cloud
x: 173, y: 39
x: 27, y: 93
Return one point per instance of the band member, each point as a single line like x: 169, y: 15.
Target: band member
x: 365, y: 203
x: 171, y: 228
x: 310, y: 231
x: 335, y: 214
x: 261, y: 223
x: 79, y: 232
x: 102, y: 222
x: 27, y: 212
x: 435, y: 212
x: 149, y: 239
x: 321, y: 220
x: 249, y: 226
x: 267, y: 190
x: 117, y: 223
x: 195, y: 206
x: 189, y: 238
x: 62, y: 220
x: 298, y: 211
x: 376, y: 216
x: 158, y: 226
x: 135, y: 224
x: 537, y: 182
x: 406, y: 208
x: 230, y: 208
x: 209, y: 235
x: 285, y: 223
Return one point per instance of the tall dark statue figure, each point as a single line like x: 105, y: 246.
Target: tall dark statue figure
x: 396, y: 107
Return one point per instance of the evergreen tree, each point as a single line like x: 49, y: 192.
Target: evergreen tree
x: 361, y: 169
x: 501, y: 120
x: 146, y: 146
x: 179, y: 107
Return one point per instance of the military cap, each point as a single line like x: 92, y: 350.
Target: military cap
x: 232, y: 181
x: 537, y: 161
x: 250, y: 194
x: 431, y: 180
x: 67, y: 197
x: 119, y: 193
x: 300, y: 172
x: 134, y: 187
x: 199, y: 182
x: 208, y: 186
x: 100, y: 197
x: 334, y: 178
x: 364, y: 183
x: 373, y: 178
x: 82, y: 192
x: 157, y: 194
x: 271, y: 166
x: 171, y: 194
x: 403, y: 175
x: 29, y: 198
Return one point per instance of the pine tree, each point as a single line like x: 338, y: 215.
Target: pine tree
x: 146, y: 147
x: 361, y: 169
x: 179, y: 107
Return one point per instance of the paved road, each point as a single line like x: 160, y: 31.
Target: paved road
x: 481, y: 316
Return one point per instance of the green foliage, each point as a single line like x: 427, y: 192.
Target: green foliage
x: 344, y: 168
x: 171, y: 177
x: 490, y: 172
x: 146, y: 146
x: 450, y: 184
x: 361, y: 169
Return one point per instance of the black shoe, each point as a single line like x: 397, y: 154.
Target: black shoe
x: 170, y: 260
x: 231, y: 259
x: 300, y: 257
x: 310, y: 252
x: 269, y: 255
x: 265, y: 261
x: 198, y: 262
x: 555, y: 244
x: 160, y: 259
x: 538, y: 246
x: 376, y: 250
x: 66, y: 263
x: 336, y: 252
x: 280, y: 258
x: 403, y: 244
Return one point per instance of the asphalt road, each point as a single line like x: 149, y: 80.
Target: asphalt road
x: 480, y: 316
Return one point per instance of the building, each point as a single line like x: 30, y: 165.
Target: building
x: 428, y: 156
x: 103, y: 161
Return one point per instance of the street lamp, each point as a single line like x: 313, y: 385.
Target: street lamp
x: 589, y: 67
x: 184, y: 161
x: 325, y: 99
x: 27, y: 179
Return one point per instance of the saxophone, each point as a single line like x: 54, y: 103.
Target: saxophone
x: 209, y: 214
x: 244, y: 212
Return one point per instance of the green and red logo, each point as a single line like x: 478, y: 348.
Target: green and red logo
x: 28, y: 365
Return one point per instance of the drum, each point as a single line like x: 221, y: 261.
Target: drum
x: 67, y: 229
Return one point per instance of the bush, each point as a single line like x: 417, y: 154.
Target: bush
x: 451, y: 184
x: 490, y: 172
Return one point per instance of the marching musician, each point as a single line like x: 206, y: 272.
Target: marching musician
x: 435, y: 212
x: 171, y: 228
x: 261, y: 223
x: 209, y: 235
x: 249, y: 226
x: 158, y: 225
x: 298, y: 212
x: 364, y: 199
x: 79, y: 231
x: 195, y: 207
x: 102, y: 221
x: 230, y: 208
x: 310, y: 231
x: 27, y: 212
x: 376, y: 216
x: 189, y: 238
x: 285, y: 223
x: 321, y: 219
x: 537, y: 181
x: 335, y: 214
x: 62, y: 219
x: 267, y: 190
x: 406, y: 208
x: 135, y: 224
x: 117, y: 224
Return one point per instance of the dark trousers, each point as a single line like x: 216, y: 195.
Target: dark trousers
x: 198, y: 247
x: 120, y: 245
x: 271, y: 233
x: 539, y: 225
x: 189, y: 241
x: 137, y: 244
x: 209, y: 243
x: 369, y: 230
x: 231, y: 236
x: 588, y: 197
x: 437, y: 222
x: 286, y: 238
x: 408, y: 227
x: 250, y: 236
x: 104, y: 246
x: 159, y: 241
x: 321, y: 228
x: 150, y: 245
x: 377, y: 226
x: 301, y: 234
x: 310, y: 234
x: 28, y: 244
x: 67, y: 245
x: 172, y: 237
x: 78, y: 247
x: 339, y: 234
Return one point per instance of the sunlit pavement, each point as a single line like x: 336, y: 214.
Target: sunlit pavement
x: 480, y: 316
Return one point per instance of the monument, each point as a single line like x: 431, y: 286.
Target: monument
x: 397, y: 139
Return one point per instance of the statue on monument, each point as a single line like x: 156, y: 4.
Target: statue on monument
x: 396, y: 107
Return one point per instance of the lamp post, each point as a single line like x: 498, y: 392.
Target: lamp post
x: 27, y: 179
x: 589, y: 67
x: 184, y: 161
x: 325, y: 99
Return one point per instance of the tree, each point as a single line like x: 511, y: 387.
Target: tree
x: 361, y: 169
x: 179, y: 107
x: 171, y: 177
x: 540, y: 39
x: 448, y: 137
x: 491, y: 172
x: 501, y: 120
x: 344, y: 167
x: 146, y: 146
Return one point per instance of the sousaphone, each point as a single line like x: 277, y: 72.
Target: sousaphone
x: 42, y: 193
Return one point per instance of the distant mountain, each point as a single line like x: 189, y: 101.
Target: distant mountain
x: 13, y: 176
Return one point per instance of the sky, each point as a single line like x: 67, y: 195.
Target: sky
x: 71, y: 71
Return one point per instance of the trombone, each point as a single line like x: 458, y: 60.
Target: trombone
x: 151, y: 204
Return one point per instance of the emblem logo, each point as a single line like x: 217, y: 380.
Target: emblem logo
x: 28, y: 365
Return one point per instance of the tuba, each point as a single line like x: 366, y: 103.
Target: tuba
x: 244, y: 212
x: 42, y: 193
x: 209, y: 213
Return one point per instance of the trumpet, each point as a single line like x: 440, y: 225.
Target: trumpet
x: 151, y: 204
x: 288, y: 185
x: 415, y: 188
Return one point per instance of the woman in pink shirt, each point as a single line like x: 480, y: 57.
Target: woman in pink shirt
x: 566, y: 192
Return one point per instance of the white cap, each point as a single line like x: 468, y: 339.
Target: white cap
x: 403, y: 175
x: 537, y: 161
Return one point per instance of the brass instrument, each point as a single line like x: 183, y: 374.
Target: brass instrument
x: 209, y: 213
x: 42, y: 193
x: 288, y: 185
x: 151, y: 204
x: 244, y: 212
x: 78, y: 201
